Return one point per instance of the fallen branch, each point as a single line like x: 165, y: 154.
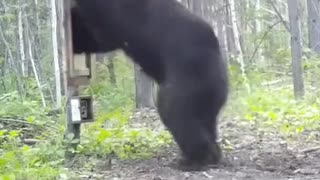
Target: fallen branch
x: 23, y: 121
x: 273, y: 82
x: 309, y: 150
x: 31, y: 142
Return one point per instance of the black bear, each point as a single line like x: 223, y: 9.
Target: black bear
x: 178, y: 50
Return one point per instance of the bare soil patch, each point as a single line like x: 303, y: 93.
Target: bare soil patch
x: 248, y: 154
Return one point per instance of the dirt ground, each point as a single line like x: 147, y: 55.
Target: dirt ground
x: 248, y: 155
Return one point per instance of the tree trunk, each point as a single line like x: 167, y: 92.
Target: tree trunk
x: 56, y: 53
x: 21, y: 40
x: 230, y: 38
x: 221, y: 31
x: 258, y: 27
x: 144, y: 89
x: 33, y: 64
x: 112, y: 74
x: 314, y: 24
x: 59, y: 7
x: 197, y: 7
x: 296, y: 49
x: 236, y: 35
x: 111, y: 70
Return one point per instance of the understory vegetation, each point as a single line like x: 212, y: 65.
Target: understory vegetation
x: 265, y: 43
x: 31, y: 137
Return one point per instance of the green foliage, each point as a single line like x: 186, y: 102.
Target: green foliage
x: 110, y: 135
x: 19, y: 161
x: 311, y: 67
x: 13, y: 106
x: 282, y: 55
x: 27, y: 119
x: 110, y: 96
x: 268, y: 107
x: 24, y: 162
x: 44, y: 160
x: 276, y: 110
x: 124, y: 143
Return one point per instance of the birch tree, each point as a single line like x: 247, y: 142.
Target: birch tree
x: 258, y: 27
x: 56, y: 53
x: 21, y: 40
x: 239, y: 53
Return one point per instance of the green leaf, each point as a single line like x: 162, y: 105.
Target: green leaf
x: 7, y: 177
x: 13, y: 134
x: 30, y: 119
x: 272, y: 115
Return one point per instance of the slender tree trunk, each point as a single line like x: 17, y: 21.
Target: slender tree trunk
x: 36, y: 73
x: 314, y: 24
x: 57, y: 72
x: 239, y: 53
x: 112, y: 74
x: 144, y: 89
x: 258, y: 27
x: 197, y: 7
x: 296, y: 49
x: 21, y: 40
x: 221, y: 32
x: 59, y: 7
x: 229, y: 31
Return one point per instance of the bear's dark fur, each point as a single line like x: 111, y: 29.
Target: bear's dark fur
x: 178, y: 50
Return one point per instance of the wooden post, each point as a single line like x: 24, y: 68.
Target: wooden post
x: 77, y: 70
x: 71, y: 87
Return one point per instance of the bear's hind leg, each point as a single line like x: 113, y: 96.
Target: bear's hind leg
x: 193, y: 139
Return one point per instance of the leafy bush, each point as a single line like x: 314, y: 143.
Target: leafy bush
x: 18, y: 161
x: 270, y: 108
x: 276, y: 110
